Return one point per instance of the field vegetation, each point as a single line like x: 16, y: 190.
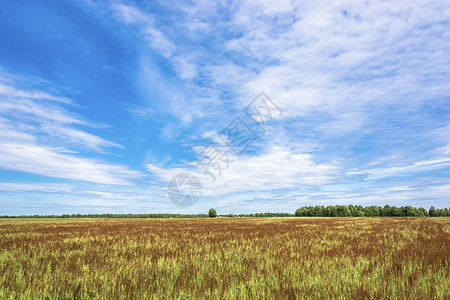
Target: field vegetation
x: 225, y: 258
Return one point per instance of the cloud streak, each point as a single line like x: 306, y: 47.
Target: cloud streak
x: 277, y: 168
x: 39, y: 136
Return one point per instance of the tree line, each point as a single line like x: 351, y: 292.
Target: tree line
x: 151, y: 216
x: 211, y: 213
x: 370, y: 211
x: 305, y: 211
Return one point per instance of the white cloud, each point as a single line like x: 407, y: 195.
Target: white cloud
x: 420, y: 166
x: 328, y: 56
x: 75, y: 136
x: 39, y: 135
x: 11, y: 186
x: 143, y: 112
x: 444, y: 150
x: 185, y: 69
x: 49, y: 162
x: 51, y: 198
x: 277, y: 168
x: 132, y: 15
x: 38, y: 110
x: 9, y: 91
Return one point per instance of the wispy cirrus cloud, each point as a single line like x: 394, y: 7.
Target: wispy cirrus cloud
x: 275, y: 168
x: 342, y: 71
x: 337, y: 58
x: 50, y: 162
x: 420, y: 166
x: 145, y: 22
x: 40, y: 136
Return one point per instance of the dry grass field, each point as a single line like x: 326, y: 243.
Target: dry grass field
x: 231, y: 258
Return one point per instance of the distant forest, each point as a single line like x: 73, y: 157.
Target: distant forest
x: 305, y: 211
x: 370, y: 211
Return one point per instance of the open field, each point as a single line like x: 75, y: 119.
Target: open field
x: 385, y: 258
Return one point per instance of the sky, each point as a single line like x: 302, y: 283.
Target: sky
x: 106, y: 104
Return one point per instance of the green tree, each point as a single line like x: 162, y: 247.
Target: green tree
x: 212, y: 213
x: 432, y: 212
x: 299, y: 212
x: 422, y: 212
x: 396, y: 212
x: 342, y: 211
x: 410, y: 211
x: 447, y: 212
x: 319, y: 211
x: 360, y: 211
x: 332, y: 211
x: 386, y: 211
x: 440, y: 212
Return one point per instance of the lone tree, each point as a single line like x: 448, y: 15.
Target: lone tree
x: 212, y: 213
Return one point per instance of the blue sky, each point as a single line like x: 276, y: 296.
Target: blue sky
x: 103, y: 102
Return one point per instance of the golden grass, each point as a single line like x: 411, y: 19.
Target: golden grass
x: 238, y: 258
